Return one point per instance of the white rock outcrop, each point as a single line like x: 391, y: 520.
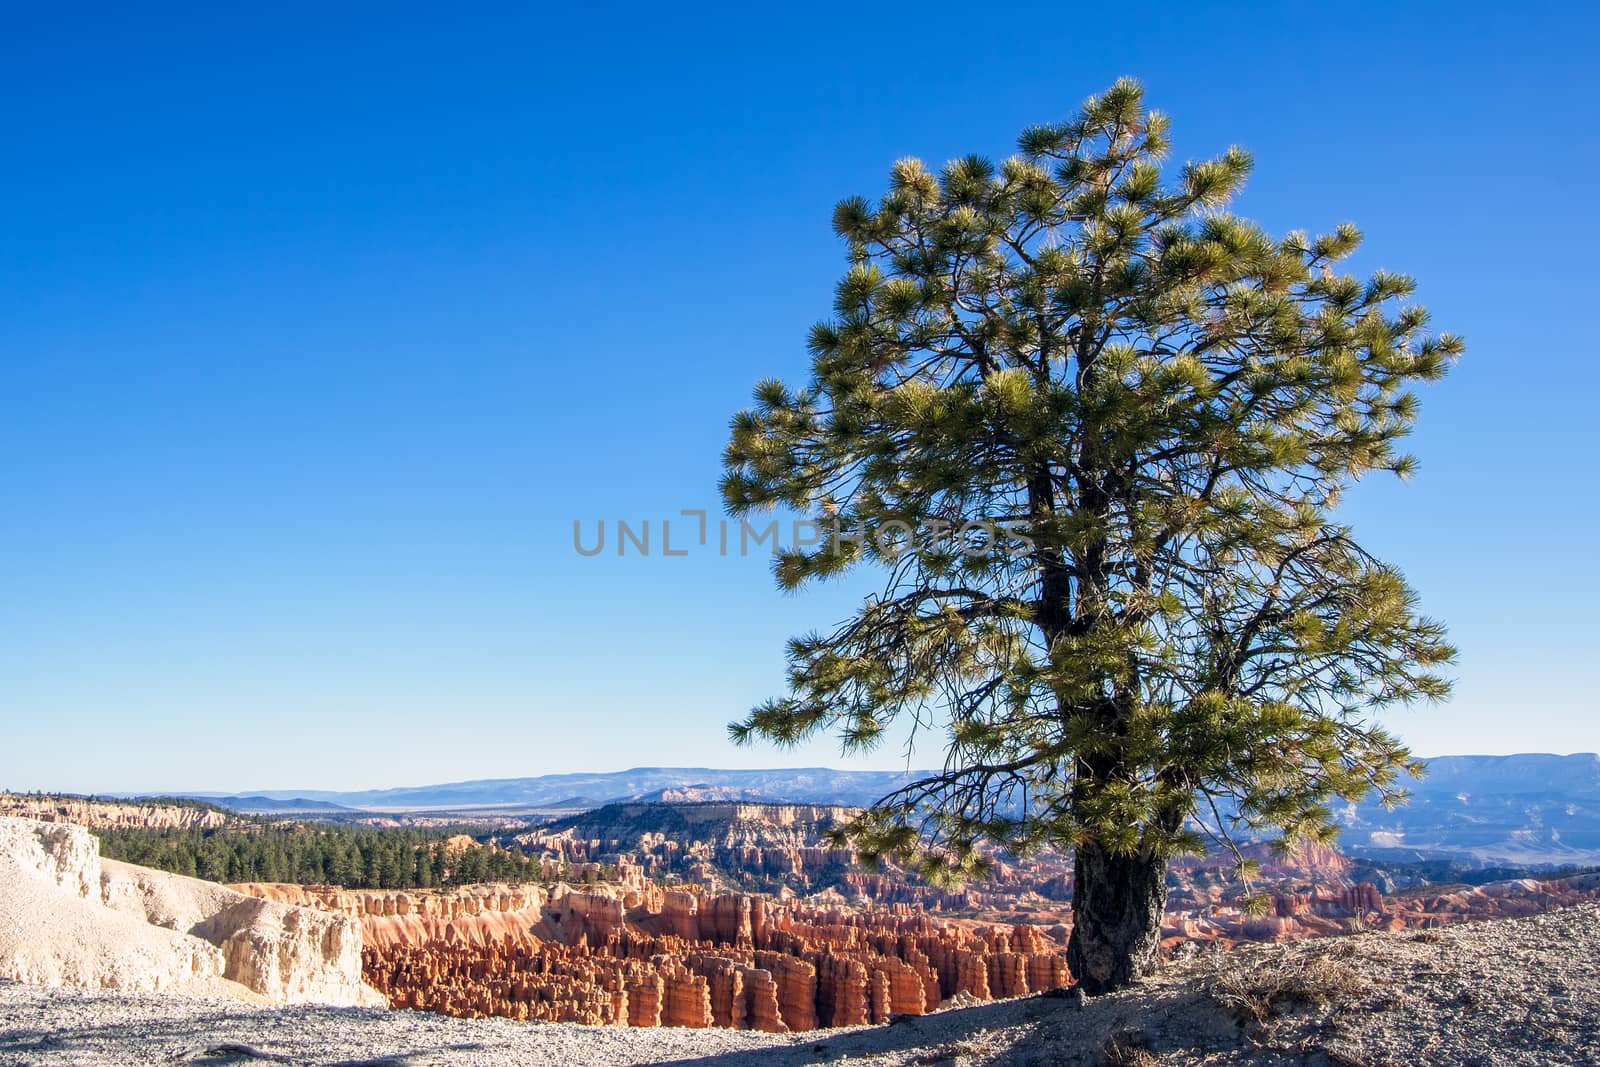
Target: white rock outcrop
x: 69, y: 918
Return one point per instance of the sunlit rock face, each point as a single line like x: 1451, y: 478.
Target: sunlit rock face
x: 775, y: 848
x: 111, y: 814
x: 68, y: 918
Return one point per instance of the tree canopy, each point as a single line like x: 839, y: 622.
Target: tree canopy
x: 1119, y: 420
x: 319, y: 854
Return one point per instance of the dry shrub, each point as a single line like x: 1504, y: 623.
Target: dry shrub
x: 1253, y: 994
x: 1127, y: 1049
x: 955, y: 1052
x: 1343, y: 950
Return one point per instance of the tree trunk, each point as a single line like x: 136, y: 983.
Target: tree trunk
x: 1117, y: 905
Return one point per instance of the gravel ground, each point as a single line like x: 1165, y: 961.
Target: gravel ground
x: 63, y: 1026
x: 1508, y: 992
x: 1501, y: 993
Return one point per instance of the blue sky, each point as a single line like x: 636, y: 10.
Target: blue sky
x: 318, y: 330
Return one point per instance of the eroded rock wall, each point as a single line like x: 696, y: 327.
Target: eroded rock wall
x: 635, y: 954
x: 67, y: 917
x: 55, y: 929
x: 112, y: 814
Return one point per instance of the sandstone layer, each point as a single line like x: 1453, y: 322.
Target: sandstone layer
x: 638, y: 954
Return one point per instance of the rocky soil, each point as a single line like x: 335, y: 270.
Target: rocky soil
x: 1504, y: 992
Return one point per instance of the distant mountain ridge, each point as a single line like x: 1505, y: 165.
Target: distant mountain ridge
x: 800, y: 785
x: 1527, y: 808
x: 278, y: 805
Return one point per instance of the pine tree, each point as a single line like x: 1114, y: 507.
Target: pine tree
x: 1116, y: 421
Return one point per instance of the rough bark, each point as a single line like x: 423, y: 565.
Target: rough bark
x: 1117, y: 905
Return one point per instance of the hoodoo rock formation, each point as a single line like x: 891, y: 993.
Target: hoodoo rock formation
x: 857, y: 947
x: 69, y: 918
x: 638, y: 954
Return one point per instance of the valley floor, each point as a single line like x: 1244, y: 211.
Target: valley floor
x: 1503, y: 992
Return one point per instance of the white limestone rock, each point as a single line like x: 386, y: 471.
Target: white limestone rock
x: 55, y: 930
x: 69, y: 918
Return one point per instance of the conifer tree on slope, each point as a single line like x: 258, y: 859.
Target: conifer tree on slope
x: 1167, y: 401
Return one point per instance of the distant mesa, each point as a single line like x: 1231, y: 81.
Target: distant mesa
x: 633, y: 817
x: 263, y: 805
x: 557, y: 791
x: 1531, y: 809
x: 578, y: 803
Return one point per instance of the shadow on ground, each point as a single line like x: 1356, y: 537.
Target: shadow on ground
x: 933, y: 1039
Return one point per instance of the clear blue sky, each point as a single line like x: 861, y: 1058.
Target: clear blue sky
x: 319, y: 326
